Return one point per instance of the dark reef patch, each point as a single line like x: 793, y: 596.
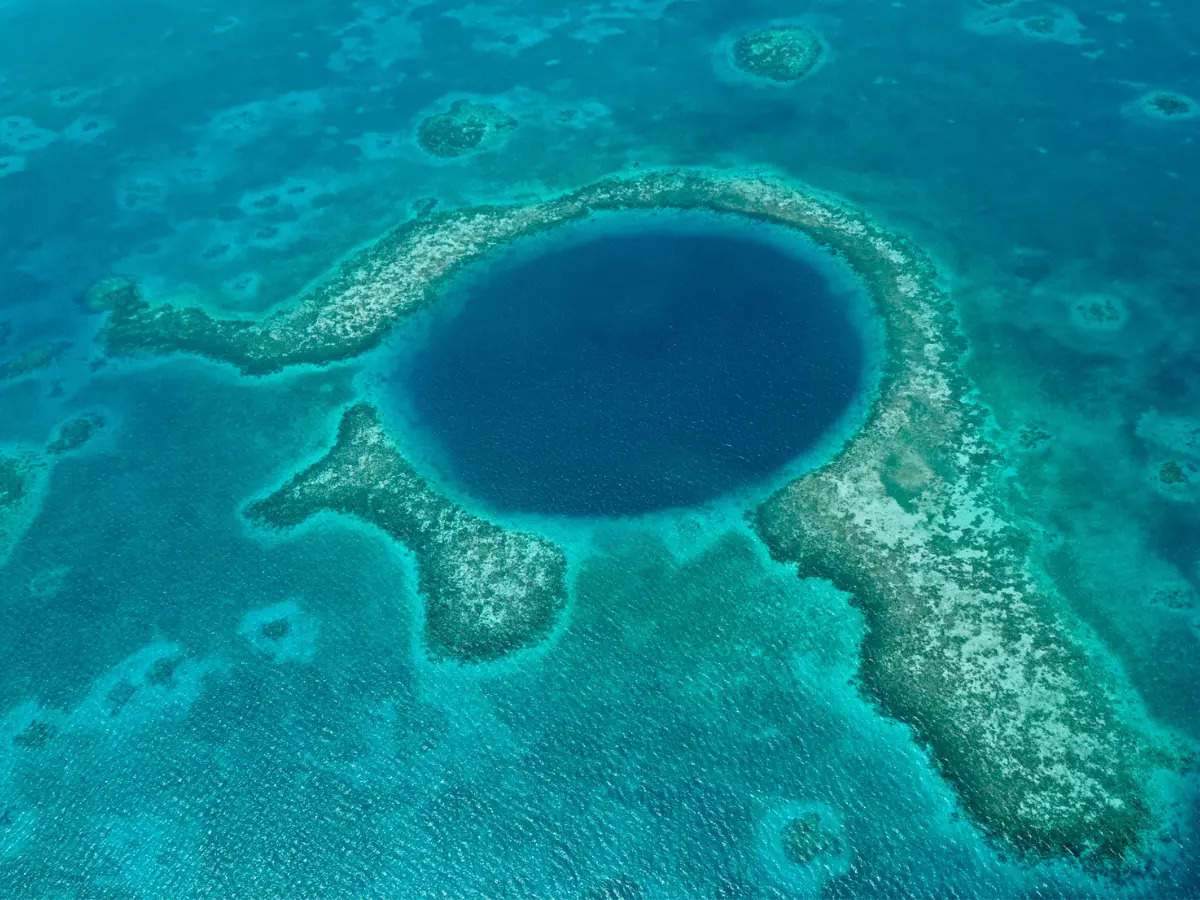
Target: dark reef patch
x: 35, y: 736
x: 807, y: 837
x: 276, y: 629
x: 784, y: 53
x: 465, y: 127
x: 75, y: 433
x: 14, y: 481
x: 33, y: 359
x: 162, y: 671
x: 634, y: 370
x: 1169, y: 105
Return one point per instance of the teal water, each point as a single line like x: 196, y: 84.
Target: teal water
x: 695, y: 692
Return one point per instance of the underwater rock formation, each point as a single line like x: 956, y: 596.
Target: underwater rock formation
x: 1168, y: 105
x: 282, y: 632
x: 967, y: 640
x: 1173, y: 442
x: 74, y: 434
x: 109, y: 293
x: 1099, y: 313
x: 487, y: 590
x: 784, y: 53
x: 32, y: 359
x: 807, y: 837
x: 465, y: 127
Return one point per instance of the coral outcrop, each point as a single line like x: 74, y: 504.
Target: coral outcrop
x: 783, y: 53
x: 487, y: 590
x: 466, y: 127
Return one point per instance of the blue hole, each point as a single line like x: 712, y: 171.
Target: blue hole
x: 615, y: 372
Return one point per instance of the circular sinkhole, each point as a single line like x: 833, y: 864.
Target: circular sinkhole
x: 634, y: 362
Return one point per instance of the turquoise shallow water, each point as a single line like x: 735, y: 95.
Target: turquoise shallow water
x: 695, y: 692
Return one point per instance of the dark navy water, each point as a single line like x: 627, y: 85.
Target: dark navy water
x: 632, y: 372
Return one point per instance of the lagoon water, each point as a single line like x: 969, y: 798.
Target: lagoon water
x: 190, y: 706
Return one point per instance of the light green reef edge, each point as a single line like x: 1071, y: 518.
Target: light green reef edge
x: 966, y: 640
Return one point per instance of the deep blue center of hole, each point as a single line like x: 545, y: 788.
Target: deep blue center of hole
x: 634, y: 371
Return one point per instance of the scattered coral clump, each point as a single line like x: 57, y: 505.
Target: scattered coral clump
x: 32, y: 359
x: 1169, y: 105
x: 467, y: 127
x: 807, y: 837
x: 1099, y: 313
x: 74, y: 434
x: 21, y: 477
x: 784, y: 53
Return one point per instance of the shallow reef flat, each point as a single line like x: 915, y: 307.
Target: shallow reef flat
x: 487, y: 590
x: 967, y: 642
x: 463, y: 128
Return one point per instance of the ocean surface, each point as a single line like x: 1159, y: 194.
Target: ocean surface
x: 160, y: 737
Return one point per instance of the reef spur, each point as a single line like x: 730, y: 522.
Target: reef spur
x: 967, y: 642
x: 487, y: 590
x: 25, y: 475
